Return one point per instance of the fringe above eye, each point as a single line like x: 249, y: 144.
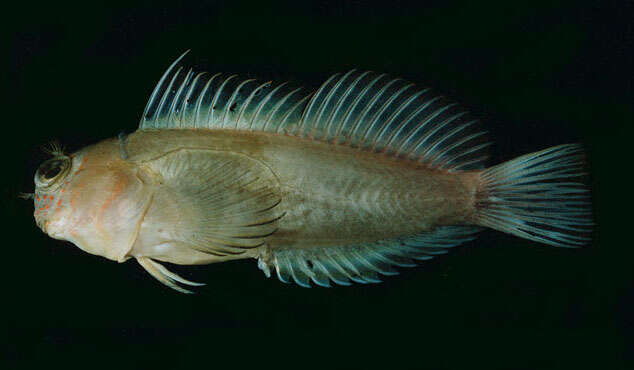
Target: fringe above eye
x: 53, y: 148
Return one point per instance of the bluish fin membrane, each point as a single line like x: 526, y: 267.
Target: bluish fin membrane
x: 364, y: 263
x: 538, y: 197
x: 365, y: 110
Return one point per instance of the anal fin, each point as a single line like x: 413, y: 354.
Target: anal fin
x: 363, y: 263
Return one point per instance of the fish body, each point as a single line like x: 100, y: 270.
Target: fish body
x: 339, y: 185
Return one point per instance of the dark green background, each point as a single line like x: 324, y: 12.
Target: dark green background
x: 536, y: 73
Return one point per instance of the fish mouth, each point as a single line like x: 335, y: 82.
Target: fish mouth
x: 42, y: 223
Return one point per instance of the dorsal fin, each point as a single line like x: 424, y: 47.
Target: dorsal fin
x: 362, y: 109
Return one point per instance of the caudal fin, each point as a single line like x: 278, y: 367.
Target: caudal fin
x: 538, y: 196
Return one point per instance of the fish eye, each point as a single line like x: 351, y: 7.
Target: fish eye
x: 52, y: 170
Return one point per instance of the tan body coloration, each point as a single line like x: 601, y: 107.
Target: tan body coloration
x: 332, y: 195
x: 338, y: 185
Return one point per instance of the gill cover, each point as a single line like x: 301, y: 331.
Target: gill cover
x: 102, y: 200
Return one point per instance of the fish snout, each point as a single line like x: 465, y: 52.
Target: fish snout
x: 51, y: 222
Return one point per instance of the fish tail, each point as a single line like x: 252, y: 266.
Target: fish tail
x: 538, y: 196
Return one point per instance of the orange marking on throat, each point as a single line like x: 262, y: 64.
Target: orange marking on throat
x: 118, y: 187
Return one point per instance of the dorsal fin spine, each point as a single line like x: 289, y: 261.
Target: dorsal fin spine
x: 263, y: 103
x: 248, y: 101
x: 368, y: 107
x: 188, y: 96
x: 167, y: 92
x: 325, y: 103
x: 199, y: 101
x: 388, y: 122
x: 340, y: 104
x: 379, y: 113
x: 307, y: 111
x: 212, y: 106
x: 276, y: 108
x: 290, y: 111
x: 353, y: 106
x: 229, y: 104
x: 170, y: 117
x: 157, y: 89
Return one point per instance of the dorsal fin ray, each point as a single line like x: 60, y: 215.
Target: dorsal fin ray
x: 361, y: 109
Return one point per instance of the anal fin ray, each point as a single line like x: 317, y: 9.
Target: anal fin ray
x: 364, y: 263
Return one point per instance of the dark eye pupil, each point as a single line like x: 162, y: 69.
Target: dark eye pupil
x: 51, y: 169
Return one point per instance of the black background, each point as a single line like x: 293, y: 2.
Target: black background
x: 536, y: 74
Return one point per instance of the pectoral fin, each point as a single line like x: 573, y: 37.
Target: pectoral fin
x: 219, y: 203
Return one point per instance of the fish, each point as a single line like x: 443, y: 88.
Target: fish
x: 342, y: 184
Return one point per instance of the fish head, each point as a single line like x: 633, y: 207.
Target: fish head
x: 93, y: 198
